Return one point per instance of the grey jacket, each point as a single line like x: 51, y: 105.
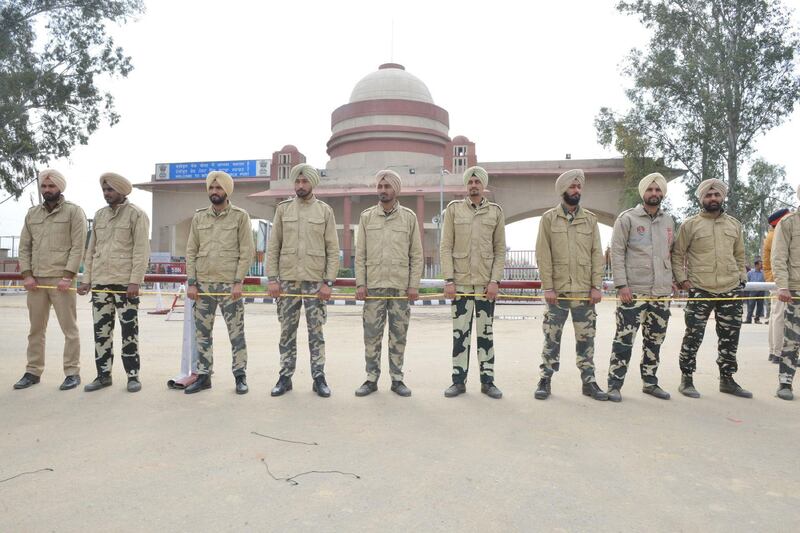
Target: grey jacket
x: 640, y: 251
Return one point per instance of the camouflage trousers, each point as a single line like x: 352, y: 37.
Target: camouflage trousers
x: 104, y: 313
x: 584, y: 322
x: 728, y: 314
x: 653, y: 317
x: 463, y: 308
x: 289, y: 316
x: 375, y: 317
x: 205, y: 309
x: 791, y: 340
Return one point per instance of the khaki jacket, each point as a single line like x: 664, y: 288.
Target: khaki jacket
x: 766, y: 255
x: 709, y: 252
x: 388, y: 249
x: 51, y: 244
x: 569, y: 256
x: 786, y: 253
x: 473, y: 247
x: 119, y: 247
x: 640, y: 251
x: 303, y: 245
x: 220, y: 247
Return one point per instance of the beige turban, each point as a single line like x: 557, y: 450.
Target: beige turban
x: 656, y: 178
x: 479, y: 173
x: 307, y: 171
x: 116, y: 182
x: 392, y: 178
x: 709, y: 184
x: 222, y: 178
x: 55, y: 176
x: 567, y: 178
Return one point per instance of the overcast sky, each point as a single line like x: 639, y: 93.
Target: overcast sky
x: 240, y: 79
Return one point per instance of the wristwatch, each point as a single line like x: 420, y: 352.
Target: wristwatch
x: 191, y: 281
x: 449, y: 280
x: 328, y: 282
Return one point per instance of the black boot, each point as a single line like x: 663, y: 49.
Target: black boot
x: 593, y: 389
x: 203, y: 382
x: 100, y: 382
x: 729, y: 386
x: 320, y: 386
x: 454, y: 390
x: 283, y: 385
x: 368, y: 387
x: 687, y: 387
x: 26, y: 381
x: 70, y: 382
x: 491, y: 390
x: 241, y: 384
x: 542, y: 389
x: 785, y: 392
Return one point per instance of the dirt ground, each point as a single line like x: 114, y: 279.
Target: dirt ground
x: 160, y: 459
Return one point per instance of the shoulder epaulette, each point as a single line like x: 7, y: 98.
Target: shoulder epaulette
x: 498, y: 206
x: 286, y: 201
x: 201, y: 209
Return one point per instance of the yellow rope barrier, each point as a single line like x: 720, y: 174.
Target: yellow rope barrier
x: 430, y: 296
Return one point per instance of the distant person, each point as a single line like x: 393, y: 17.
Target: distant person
x: 473, y: 252
x: 641, y: 244
x: 302, y: 258
x: 755, y: 275
x: 777, y: 307
x: 116, y: 262
x: 218, y: 255
x: 50, y: 250
x: 571, y: 265
x: 708, y: 262
x: 388, y: 265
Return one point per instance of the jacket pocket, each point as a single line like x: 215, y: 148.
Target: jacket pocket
x: 461, y: 262
x: 228, y: 236
x: 60, y: 238
x: 316, y: 261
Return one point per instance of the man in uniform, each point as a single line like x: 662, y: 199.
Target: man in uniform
x: 302, y: 258
x: 116, y: 261
x: 708, y: 261
x: 785, y: 255
x: 50, y: 251
x: 777, y: 307
x: 640, y: 259
x: 571, y: 263
x: 218, y: 256
x: 473, y: 251
x: 388, y: 265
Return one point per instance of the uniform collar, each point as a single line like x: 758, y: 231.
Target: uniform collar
x: 310, y: 199
x: 224, y: 212
x: 473, y: 206
x: 712, y: 216
x: 59, y: 203
x: 643, y: 212
x: 383, y: 213
x: 563, y: 211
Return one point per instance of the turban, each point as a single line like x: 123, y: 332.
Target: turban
x: 223, y: 179
x: 776, y: 217
x: 392, y: 178
x: 656, y: 178
x: 116, y: 182
x: 479, y: 173
x: 798, y: 191
x: 709, y: 184
x: 567, y: 178
x: 55, y: 176
x: 307, y: 171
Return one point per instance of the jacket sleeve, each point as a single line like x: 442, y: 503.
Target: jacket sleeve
x: 360, y: 263
x: 331, y: 247
x: 619, y: 246
x: 192, y: 246
x: 88, y: 262
x: 25, y: 250
x: 738, y: 253
x: 598, y: 259
x: 275, y: 241
x: 141, y: 249
x: 247, y: 247
x: 544, y: 256
x: 780, y: 253
x: 766, y: 256
x: 679, y: 254
x: 499, y: 244
x: 78, y: 238
x: 415, y: 256
x: 446, y: 246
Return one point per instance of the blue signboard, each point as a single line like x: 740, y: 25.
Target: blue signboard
x: 246, y: 168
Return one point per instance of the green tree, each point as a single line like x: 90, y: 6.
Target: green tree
x: 52, y: 53
x: 715, y: 75
x: 766, y: 191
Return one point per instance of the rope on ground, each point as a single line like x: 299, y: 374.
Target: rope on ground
x: 284, y: 440
x: 291, y: 479
x: 27, y: 473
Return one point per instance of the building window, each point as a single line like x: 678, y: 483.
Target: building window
x: 460, y: 151
x: 285, y: 159
x: 284, y: 171
x: 459, y: 164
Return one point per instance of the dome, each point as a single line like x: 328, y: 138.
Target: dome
x: 460, y: 139
x: 391, y: 82
x: 289, y: 148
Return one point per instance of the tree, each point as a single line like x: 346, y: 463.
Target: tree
x: 716, y: 74
x: 49, y: 98
x: 766, y: 191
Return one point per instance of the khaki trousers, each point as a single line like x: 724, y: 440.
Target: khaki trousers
x: 776, y: 323
x: 64, y: 304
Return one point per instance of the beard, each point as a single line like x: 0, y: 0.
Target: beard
x: 216, y: 199
x: 301, y: 193
x: 50, y: 196
x: 653, y: 200
x: 712, y: 207
x: 575, y: 199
